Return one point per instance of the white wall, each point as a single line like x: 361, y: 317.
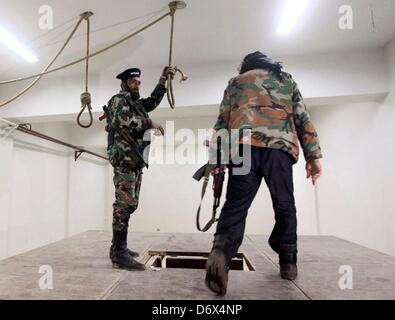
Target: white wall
x: 356, y: 194
x: 346, y: 75
x: 44, y: 195
x: 6, y: 149
x: 354, y: 197
x: 342, y: 74
x: 88, y: 201
x: 170, y: 197
x: 52, y: 95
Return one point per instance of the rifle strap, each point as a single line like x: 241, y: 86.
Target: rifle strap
x: 133, y: 144
x: 204, y: 188
x: 127, y: 137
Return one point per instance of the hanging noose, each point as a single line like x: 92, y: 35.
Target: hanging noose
x: 174, y: 5
x: 86, y: 101
x: 85, y: 96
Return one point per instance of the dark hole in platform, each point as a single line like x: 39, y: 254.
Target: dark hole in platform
x: 192, y: 260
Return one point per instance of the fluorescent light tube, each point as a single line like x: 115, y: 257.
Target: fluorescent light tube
x: 292, y: 12
x: 9, y: 41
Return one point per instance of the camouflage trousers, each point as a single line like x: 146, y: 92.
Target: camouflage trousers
x: 127, y: 189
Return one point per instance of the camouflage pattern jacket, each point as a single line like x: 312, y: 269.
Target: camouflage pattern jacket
x: 274, y: 111
x: 131, y: 117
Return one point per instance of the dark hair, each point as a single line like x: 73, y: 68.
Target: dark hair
x: 124, y: 86
x: 258, y: 60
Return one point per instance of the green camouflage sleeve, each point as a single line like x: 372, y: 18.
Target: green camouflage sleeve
x: 124, y: 118
x: 224, y: 112
x: 221, y: 124
x: 150, y: 104
x: 307, y: 134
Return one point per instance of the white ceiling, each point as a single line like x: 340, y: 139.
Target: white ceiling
x: 207, y: 31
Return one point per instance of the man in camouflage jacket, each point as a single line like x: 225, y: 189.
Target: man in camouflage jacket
x: 264, y: 102
x: 129, y: 127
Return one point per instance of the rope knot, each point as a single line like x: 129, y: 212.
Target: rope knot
x: 86, y: 99
x: 173, y: 71
x: 170, y: 72
x: 85, y: 103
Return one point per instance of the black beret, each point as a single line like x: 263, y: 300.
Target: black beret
x: 129, y: 73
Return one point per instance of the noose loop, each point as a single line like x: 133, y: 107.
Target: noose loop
x: 85, y: 104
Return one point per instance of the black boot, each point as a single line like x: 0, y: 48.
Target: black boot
x: 288, y: 259
x: 120, y: 256
x: 217, y: 266
x: 133, y: 254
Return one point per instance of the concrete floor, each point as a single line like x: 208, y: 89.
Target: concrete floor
x: 82, y: 270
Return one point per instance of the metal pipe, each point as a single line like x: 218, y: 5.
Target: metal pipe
x: 78, y: 151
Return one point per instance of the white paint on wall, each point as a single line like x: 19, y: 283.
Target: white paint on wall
x: 6, y: 150
x: 355, y: 193
x: 170, y: 197
x: 342, y: 74
x: 87, y: 200
x: 38, y: 200
x: 37, y: 204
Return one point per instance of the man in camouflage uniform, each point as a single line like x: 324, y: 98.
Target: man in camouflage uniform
x: 265, y: 100
x: 128, y: 127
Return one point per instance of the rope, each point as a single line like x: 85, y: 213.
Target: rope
x: 149, y: 15
x: 172, y: 71
x: 85, y: 96
x: 35, y: 47
x: 56, y: 28
x: 86, y: 102
x: 170, y: 76
x: 90, y: 56
x: 87, y: 53
x: 55, y: 40
x: 2, y: 104
x: 172, y: 11
x: 213, y: 219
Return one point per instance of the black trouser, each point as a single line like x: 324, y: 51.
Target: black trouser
x: 275, y: 167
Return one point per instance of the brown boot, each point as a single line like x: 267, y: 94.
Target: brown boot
x: 288, y: 271
x: 217, y: 272
x: 217, y: 266
x: 288, y: 259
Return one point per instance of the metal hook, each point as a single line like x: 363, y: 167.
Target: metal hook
x: 77, y: 154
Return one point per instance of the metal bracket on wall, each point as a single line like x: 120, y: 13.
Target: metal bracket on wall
x: 77, y: 150
x: 77, y: 154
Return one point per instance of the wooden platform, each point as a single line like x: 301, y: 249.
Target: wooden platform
x: 82, y: 270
